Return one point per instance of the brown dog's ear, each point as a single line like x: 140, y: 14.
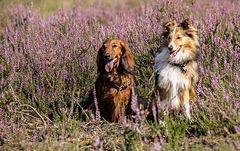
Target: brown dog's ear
x: 169, y: 26
x: 100, y: 61
x: 127, y: 58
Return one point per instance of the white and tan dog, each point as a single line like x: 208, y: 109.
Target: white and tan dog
x: 176, y: 67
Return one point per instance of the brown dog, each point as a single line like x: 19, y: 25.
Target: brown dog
x: 115, y: 64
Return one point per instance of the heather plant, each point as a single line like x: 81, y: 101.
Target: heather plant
x: 48, y: 65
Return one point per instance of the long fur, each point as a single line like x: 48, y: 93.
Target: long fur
x: 175, y: 84
x: 113, y: 88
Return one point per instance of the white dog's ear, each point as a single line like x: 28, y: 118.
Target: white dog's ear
x: 170, y: 25
x: 168, y: 28
x: 190, y: 31
x: 187, y: 24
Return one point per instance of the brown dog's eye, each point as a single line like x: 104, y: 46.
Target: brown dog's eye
x: 178, y: 37
x: 114, y: 46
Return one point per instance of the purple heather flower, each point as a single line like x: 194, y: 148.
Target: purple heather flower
x: 237, y: 144
x: 237, y: 129
x: 1, y: 125
x: 157, y: 146
x: 214, y: 80
x: 201, y: 103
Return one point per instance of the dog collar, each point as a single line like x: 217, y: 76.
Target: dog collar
x: 181, y: 66
x: 123, y: 86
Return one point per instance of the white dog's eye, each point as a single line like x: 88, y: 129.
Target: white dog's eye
x: 178, y: 37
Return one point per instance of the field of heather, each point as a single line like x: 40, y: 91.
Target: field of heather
x: 48, y: 65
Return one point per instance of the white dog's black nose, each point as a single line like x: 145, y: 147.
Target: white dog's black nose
x: 170, y: 47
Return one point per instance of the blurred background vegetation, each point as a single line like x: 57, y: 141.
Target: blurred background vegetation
x: 48, y: 7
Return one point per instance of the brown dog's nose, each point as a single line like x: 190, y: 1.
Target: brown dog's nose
x: 106, y: 56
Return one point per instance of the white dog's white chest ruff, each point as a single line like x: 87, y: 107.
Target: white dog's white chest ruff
x: 170, y: 78
x: 168, y: 75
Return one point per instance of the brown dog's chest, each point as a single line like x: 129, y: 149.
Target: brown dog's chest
x: 114, y: 89
x: 112, y: 100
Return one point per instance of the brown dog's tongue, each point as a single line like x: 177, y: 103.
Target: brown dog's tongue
x: 109, y: 66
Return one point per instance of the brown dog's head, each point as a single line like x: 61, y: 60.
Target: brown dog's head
x: 113, y: 54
